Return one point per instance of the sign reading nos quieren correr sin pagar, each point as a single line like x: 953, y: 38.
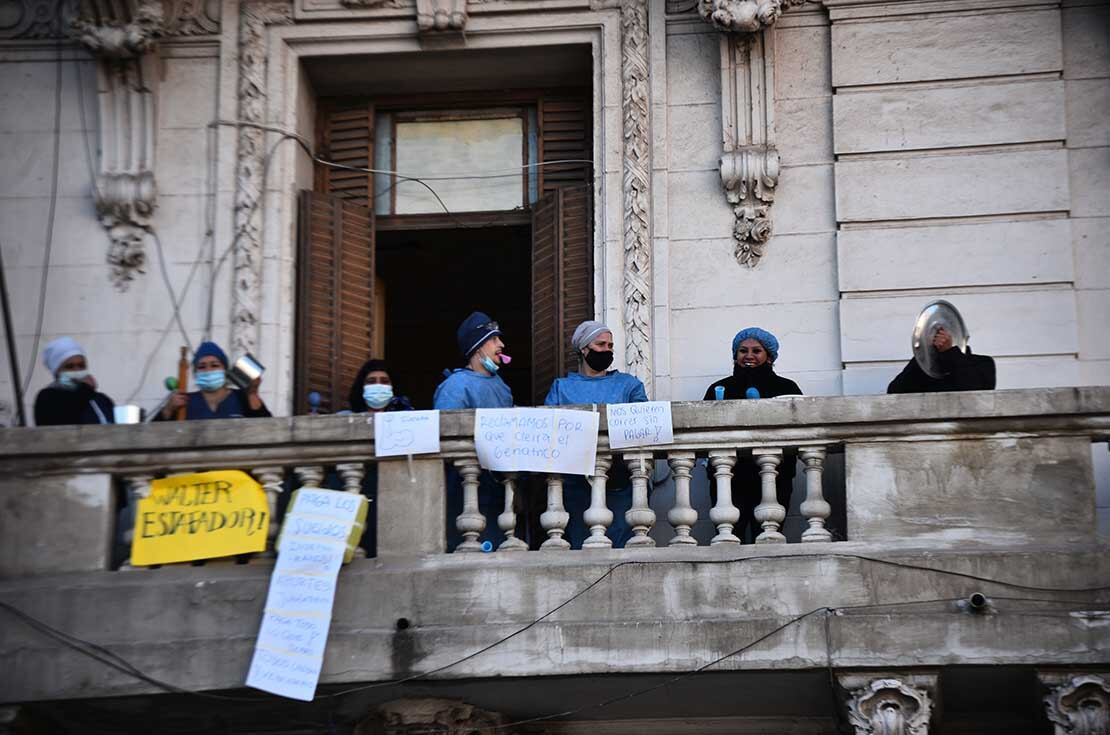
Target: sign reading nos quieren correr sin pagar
x: 200, y: 516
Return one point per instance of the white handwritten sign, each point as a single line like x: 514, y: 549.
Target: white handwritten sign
x: 289, y: 651
x: 536, y: 440
x: 639, y: 424
x: 406, y: 432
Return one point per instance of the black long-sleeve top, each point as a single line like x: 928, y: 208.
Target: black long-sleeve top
x: 58, y: 406
x: 962, y: 372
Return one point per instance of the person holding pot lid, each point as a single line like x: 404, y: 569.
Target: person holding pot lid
x: 754, y: 352
x: 215, y: 399
x: 594, y: 382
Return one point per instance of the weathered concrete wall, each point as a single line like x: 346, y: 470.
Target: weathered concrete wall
x: 667, y: 611
x: 57, y: 523
x: 120, y: 330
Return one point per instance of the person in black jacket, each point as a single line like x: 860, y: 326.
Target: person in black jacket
x: 72, y: 398
x: 962, y: 371
x: 754, y: 352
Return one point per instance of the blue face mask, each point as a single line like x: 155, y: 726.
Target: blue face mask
x: 377, y: 395
x: 490, y: 365
x: 211, y: 380
x: 70, y: 378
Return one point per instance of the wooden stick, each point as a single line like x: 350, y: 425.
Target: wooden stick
x: 182, y: 380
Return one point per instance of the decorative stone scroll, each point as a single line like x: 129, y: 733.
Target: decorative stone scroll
x: 889, y: 707
x: 441, y: 16
x: 750, y: 161
x: 1078, y: 704
x: 254, y: 17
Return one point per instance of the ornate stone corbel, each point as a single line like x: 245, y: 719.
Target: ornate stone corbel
x: 441, y: 16
x: 889, y: 707
x: 123, y: 36
x: 743, y: 16
x: 1078, y: 704
x: 425, y: 715
x: 750, y: 162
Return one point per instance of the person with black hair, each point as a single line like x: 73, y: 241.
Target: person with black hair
x: 372, y: 390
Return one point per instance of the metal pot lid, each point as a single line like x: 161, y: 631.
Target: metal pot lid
x: 935, y: 315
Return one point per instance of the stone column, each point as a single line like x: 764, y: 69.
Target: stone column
x: 1077, y: 703
x: 470, y: 522
x: 815, y: 508
x: 507, y: 520
x: 769, y: 512
x: 138, y: 487
x: 270, y: 479
x: 554, y: 520
x: 682, y: 516
x: 598, y: 517
x: 724, y: 514
x: 640, y: 516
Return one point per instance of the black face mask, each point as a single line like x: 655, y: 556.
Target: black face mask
x: 599, y: 361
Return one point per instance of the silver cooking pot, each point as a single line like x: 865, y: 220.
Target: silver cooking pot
x: 245, y: 370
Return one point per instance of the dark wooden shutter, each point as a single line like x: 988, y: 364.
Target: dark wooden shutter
x: 562, y: 281
x: 335, y: 297
x: 565, y: 122
x: 348, y: 138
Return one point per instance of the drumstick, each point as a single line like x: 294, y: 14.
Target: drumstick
x: 182, y: 379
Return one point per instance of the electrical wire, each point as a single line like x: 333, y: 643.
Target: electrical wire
x: 169, y: 287
x: 116, y: 662
x: 49, y: 219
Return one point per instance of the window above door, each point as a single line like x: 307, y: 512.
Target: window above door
x: 478, y: 160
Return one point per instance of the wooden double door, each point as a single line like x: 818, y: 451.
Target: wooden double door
x: 340, y: 271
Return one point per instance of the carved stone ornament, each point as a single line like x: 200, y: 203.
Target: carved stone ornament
x: 889, y: 707
x: 363, y: 3
x: 743, y: 16
x: 636, y: 189
x: 113, y: 30
x: 254, y: 18
x: 749, y: 161
x: 126, y: 27
x: 441, y: 16
x: 429, y: 715
x: 1080, y: 706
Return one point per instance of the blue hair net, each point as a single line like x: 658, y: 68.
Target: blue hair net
x: 765, y: 338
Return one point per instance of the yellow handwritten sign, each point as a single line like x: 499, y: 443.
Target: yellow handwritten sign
x: 200, y: 516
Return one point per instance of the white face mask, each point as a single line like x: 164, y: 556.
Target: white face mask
x: 70, y: 378
x: 377, y: 395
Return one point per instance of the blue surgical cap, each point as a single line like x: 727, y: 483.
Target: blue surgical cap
x: 765, y: 338
x: 209, y: 349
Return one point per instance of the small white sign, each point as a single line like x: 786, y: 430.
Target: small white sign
x: 397, y: 433
x: 536, y: 440
x: 639, y: 424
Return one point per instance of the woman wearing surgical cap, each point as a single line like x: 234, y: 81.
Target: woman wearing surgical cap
x: 754, y: 352
x: 72, y: 398
x: 214, y: 399
x: 594, y: 382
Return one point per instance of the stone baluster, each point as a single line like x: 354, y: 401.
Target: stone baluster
x: 640, y: 516
x: 724, y: 514
x: 682, y: 516
x: 470, y: 522
x: 507, y: 520
x: 352, y: 474
x: 309, y: 475
x: 554, y: 519
x: 814, y: 508
x: 769, y: 513
x: 138, y: 487
x: 270, y: 478
x: 598, y: 517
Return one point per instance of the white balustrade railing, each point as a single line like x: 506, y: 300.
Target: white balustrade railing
x: 738, y: 448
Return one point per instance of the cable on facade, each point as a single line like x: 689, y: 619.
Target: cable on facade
x: 116, y: 662
x: 49, y: 219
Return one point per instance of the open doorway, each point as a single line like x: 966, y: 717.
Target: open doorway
x: 432, y: 279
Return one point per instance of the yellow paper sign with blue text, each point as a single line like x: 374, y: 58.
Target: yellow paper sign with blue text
x: 200, y: 516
